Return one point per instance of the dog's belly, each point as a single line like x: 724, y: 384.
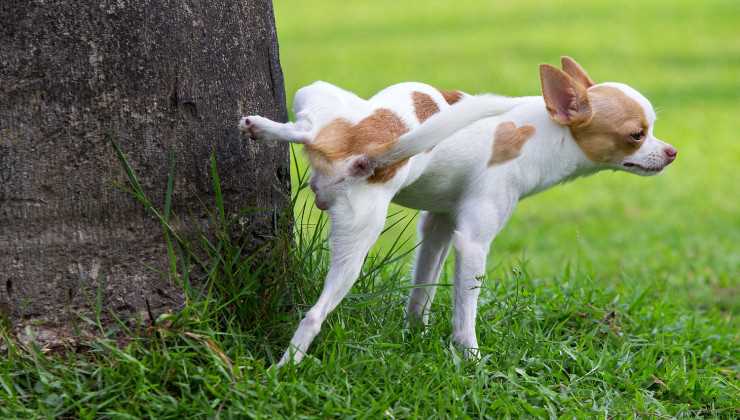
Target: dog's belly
x: 439, y: 182
x: 426, y: 195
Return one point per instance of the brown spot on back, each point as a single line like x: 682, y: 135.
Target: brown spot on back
x: 372, y: 136
x: 451, y: 96
x: 508, y: 141
x: 424, y: 106
x: 606, y: 137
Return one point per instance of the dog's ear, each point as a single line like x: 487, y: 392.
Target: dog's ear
x: 566, y: 100
x: 575, y: 71
x: 361, y: 167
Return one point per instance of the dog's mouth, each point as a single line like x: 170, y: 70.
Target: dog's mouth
x: 637, y: 166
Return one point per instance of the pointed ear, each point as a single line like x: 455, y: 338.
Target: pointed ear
x: 575, y: 71
x: 566, y: 100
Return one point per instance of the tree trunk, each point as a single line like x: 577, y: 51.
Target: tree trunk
x: 158, y: 77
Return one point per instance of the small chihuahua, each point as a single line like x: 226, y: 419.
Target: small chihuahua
x: 464, y: 160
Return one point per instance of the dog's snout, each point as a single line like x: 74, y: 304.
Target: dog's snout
x: 670, y: 153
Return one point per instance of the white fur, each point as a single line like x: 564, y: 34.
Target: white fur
x: 465, y: 201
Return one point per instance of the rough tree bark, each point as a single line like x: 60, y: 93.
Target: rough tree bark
x: 160, y: 76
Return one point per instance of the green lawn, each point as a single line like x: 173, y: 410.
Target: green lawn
x: 683, y: 55
x: 613, y: 296
x: 682, y: 228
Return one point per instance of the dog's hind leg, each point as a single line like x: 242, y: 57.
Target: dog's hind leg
x: 355, y: 228
x: 435, y: 232
x: 261, y: 128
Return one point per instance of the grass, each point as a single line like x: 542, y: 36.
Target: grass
x: 614, y: 296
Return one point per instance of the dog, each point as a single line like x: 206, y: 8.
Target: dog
x: 463, y: 160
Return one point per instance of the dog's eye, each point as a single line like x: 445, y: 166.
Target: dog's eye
x: 638, y: 135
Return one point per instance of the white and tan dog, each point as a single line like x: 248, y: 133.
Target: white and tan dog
x: 465, y: 161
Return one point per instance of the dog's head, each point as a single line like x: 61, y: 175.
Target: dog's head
x: 612, y: 123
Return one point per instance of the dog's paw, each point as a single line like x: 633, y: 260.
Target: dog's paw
x: 415, y: 322
x: 252, y: 126
x: 468, y: 345
x: 463, y: 355
x: 471, y: 354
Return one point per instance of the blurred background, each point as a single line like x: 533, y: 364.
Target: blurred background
x: 679, y: 230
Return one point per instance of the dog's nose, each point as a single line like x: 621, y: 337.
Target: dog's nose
x: 670, y: 153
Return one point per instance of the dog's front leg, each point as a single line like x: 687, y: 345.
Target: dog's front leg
x: 470, y: 267
x: 352, y: 235
x: 476, y: 228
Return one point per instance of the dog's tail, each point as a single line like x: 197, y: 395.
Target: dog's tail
x: 446, y: 123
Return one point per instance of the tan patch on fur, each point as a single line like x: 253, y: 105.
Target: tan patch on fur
x: 372, y: 136
x: 424, y: 106
x: 606, y: 137
x: 508, y: 141
x: 451, y: 96
x: 328, y: 145
x: 386, y: 173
